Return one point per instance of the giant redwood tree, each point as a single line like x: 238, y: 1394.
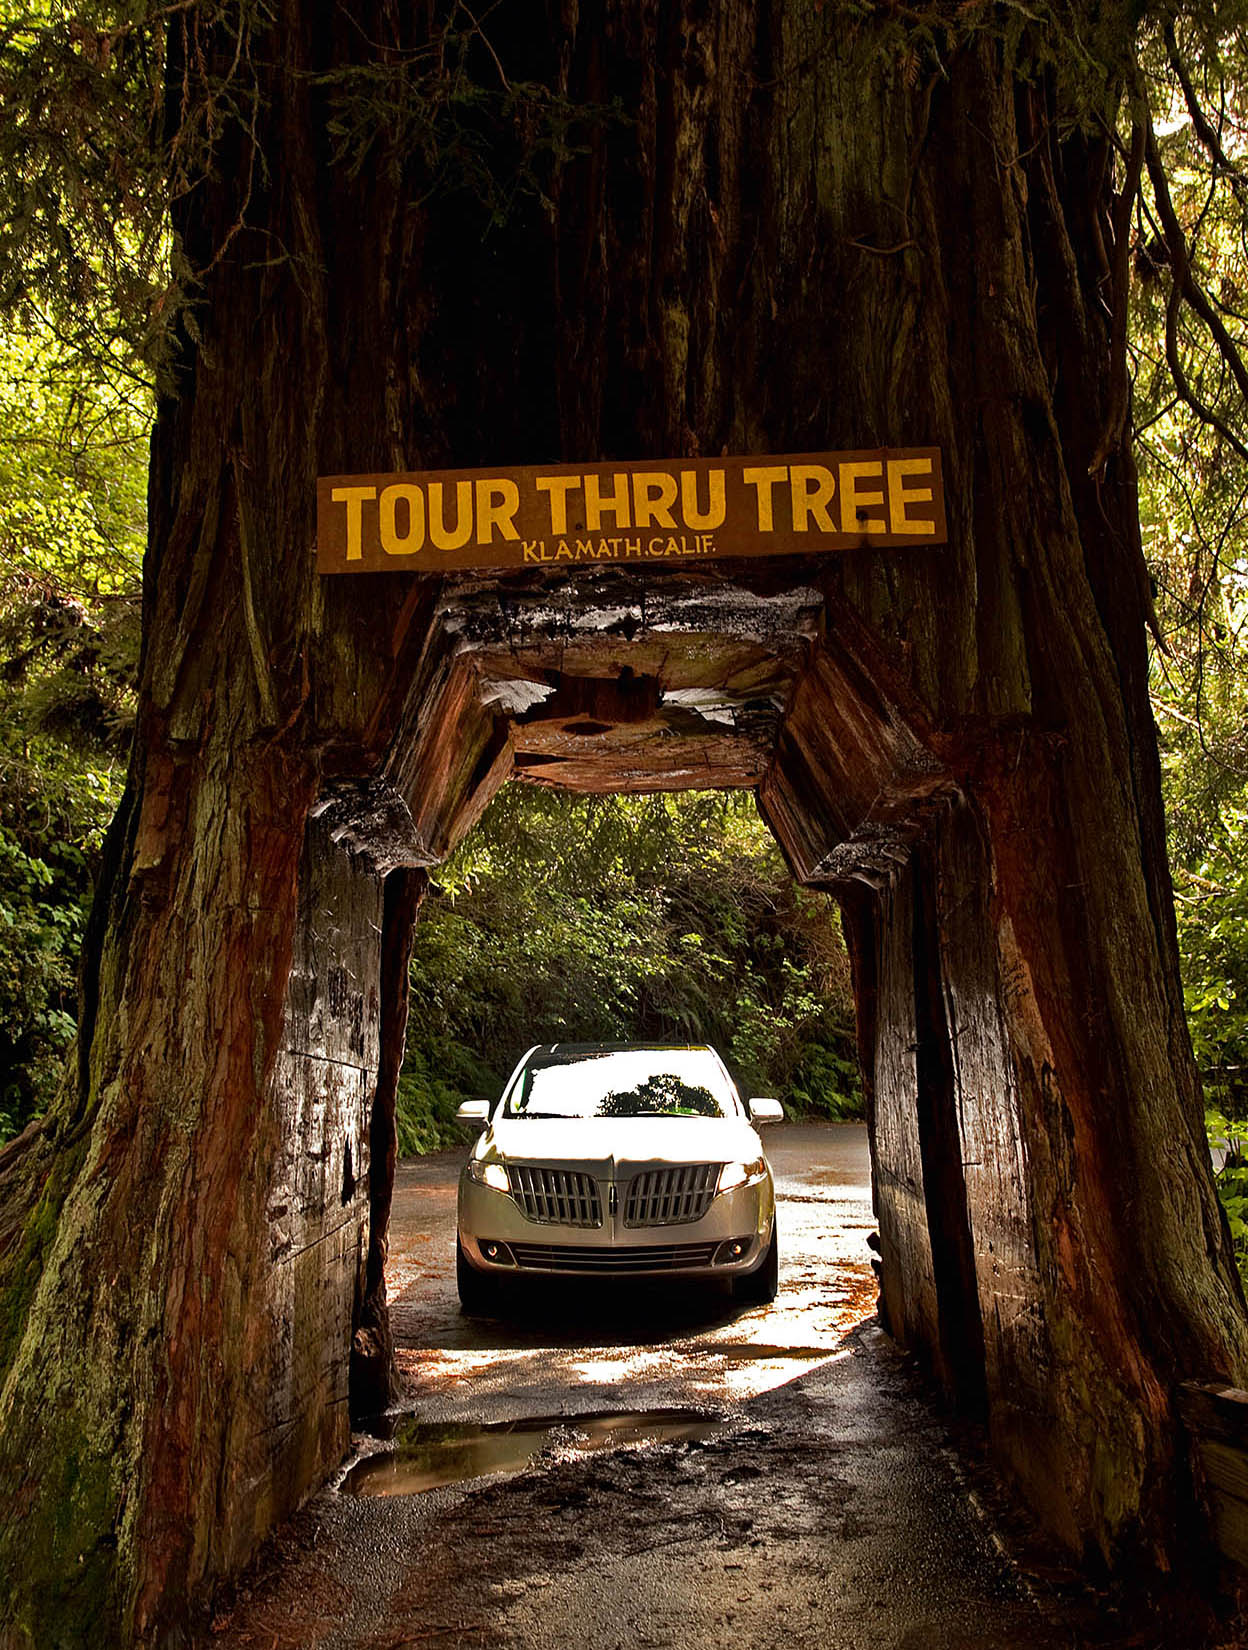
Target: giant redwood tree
x: 402, y: 240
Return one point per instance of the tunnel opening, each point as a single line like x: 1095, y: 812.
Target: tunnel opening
x: 670, y: 920
x: 658, y: 918
x: 945, y: 847
x: 712, y: 684
x: 762, y: 683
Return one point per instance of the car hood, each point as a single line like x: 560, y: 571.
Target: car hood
x: 602, y: 1141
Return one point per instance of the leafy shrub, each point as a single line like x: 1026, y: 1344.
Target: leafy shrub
x: 55, y: 808
x: 73, y: 465
x: 1229, y: 1143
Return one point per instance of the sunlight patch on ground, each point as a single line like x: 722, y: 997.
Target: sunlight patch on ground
x: 733, y: 1360
x: 568, y: 1347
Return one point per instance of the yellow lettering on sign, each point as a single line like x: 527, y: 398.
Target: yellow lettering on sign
x: 616, y: 502
x: 654, y: 493
x: 763, y: 478
x: 393, y: 542
x: 854, y: 502
x: 456, y: 537
x: 899, y: 495
x: 812, y: 486
x: 716, y: 507
x: 354, y: 498
x: 558, y: 487
x: 497, y: 503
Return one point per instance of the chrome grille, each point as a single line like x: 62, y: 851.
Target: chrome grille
x: 666, y: 1257
x: 556, y: 1197
x: 670, y: 1197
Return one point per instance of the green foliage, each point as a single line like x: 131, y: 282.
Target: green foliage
x: 55, y: 805
x: 72, y: 476
x: 1189, y: 326
x: 1228, y: 1143
x: 87, y: 172
x: 434, y: 1080
x: 622, y: 918
x: 1212, y: 905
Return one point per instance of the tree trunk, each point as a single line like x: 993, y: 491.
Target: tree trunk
x: 371, y: 1385
x: 774, y: 229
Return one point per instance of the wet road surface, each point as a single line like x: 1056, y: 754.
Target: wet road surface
x: 580, y: 1346
x: 810, y: 1499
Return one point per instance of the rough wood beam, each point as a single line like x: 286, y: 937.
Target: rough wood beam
x: 449, y: 757
x: 615, y: 607
x: 636, y: 760
x: 854, y: 775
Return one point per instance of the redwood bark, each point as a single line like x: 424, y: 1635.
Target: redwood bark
x: 767, y: 235
x: 372, y: 1345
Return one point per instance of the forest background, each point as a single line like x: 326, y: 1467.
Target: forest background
x: 668, y: 917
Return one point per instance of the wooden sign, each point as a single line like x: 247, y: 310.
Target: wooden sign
x: 675, y: 510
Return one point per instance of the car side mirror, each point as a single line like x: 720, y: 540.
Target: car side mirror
x: 766, y: 1111
x: 476, y: 1112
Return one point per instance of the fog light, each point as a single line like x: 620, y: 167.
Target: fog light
x: 498, y: 1254
x: 735, y: 1249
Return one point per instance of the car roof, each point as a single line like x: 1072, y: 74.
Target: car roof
x: 619, y: 1048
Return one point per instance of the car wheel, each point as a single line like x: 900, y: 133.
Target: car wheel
x: 763, y: 1284
x: 478, y: 1293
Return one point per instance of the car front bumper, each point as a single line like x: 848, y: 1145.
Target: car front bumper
x: 698, y: 1248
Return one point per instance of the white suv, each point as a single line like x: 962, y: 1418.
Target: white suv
x: 617, y: 1160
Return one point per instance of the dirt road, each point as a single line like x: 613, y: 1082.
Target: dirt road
x: 804, y: 1494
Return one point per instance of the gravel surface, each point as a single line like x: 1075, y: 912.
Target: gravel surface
x: 827, y: 1509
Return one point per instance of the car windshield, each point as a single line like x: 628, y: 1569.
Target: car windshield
x: 646, y: 1082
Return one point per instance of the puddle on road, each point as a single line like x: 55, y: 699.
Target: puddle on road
x: 427, y: 1454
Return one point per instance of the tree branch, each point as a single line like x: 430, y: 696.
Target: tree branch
x: 1205, y: 413
x: 1200, y: 121
x: 1120, y: 300
x: 1184, y: 287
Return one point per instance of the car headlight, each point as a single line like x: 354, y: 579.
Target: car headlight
x: 733, y: 1175
x: 489, y: 1172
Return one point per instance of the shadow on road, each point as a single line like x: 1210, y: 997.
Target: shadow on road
x: 571, y: 1313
